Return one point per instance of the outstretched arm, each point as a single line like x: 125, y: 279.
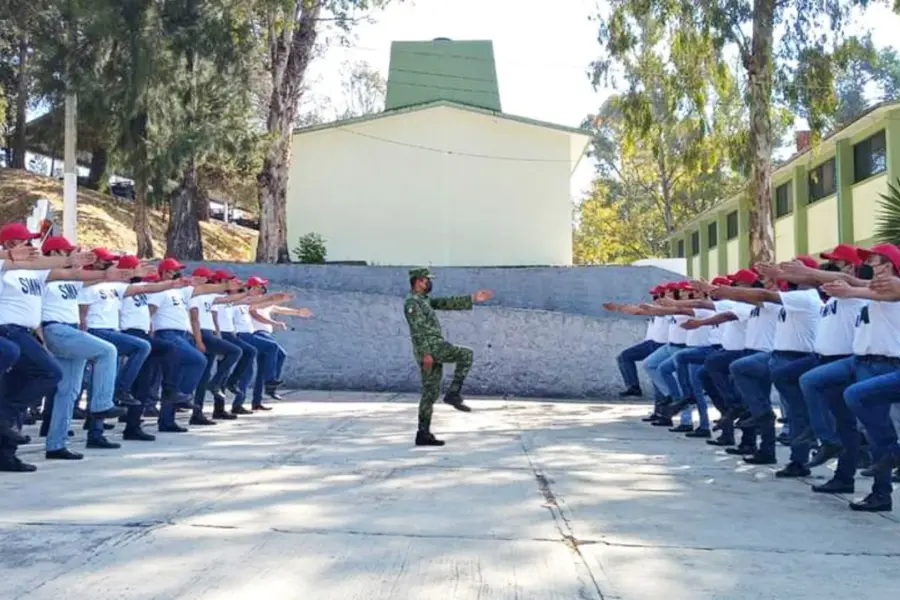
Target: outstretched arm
x: 661, y: 311
x: 884, y: 291
x: 713, y: 320
x: 796, y: 270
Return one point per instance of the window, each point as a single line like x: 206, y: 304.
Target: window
x: 680, y: 248
x: 712, y: 234
x: 731, y: 225
x: 869, y: 157
x: 695, y: 243
x: 822, y: 181
x: 784, y: 204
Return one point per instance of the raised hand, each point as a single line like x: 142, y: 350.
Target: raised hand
x: 83, y: 259
x: 482, y: 295
x: 303, y: 313
x: 692, y: 324
x: 885, y: 284
x: 702, y: 285
x: 838, y: 289
x: 197, y: 281
x: 770, y: 271
x: 121, y: 275
x: 24, y: 253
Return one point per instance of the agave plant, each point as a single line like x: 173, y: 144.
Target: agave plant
x: 887, y: 218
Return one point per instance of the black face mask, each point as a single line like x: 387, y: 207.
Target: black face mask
x: 831, y: 267
x: 757, y: 284
x: 135, y: 280
x: 792, y: 287
x: 428, y: 286
x: 865, y: 272
x: 176, y: 275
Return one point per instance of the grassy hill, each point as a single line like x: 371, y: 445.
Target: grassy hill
x: 106, y: 221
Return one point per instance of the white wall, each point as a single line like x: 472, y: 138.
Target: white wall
x: 396, y: 203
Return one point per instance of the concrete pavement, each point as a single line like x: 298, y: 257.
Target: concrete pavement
x: 325, y: 498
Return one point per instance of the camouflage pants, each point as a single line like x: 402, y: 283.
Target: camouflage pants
x: 431, y: 380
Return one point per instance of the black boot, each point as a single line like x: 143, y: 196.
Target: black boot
x: 12, y: 464
x: 825, y: 453
x: 123, y: 398
x: 136, y: 434
x: 63, y: 454
x: 456, y: 401
x: 198, y: 418
x: 792, y: 470
x: 219, y: 412
x: 834, y: 486
x: 873, y: 503
x: 425, y: 438
x: 632, y: 392
x: 101, y: 443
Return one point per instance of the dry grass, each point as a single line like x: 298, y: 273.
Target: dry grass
x: 106, y: 221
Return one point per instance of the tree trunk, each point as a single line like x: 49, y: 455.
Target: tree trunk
x: 288, y: 72
x: 202, y: 204
x: 142, y: 219
x: 759, y: 73
x: 99, y: 161
x: 183, y: 239
x: 19, y: 143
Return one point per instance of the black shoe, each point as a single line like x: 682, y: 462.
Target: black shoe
x: 870, y: 472
x: 833, y: 486
x: 272, y: 391
x: 137, y: 435
x: 151, y: 412
x: 888, y: 462
x: 632, y: 392
x: 676, y: 407
x: 651, y: 417
x: 13, y: 435
x: 101, y: 443
x: 261, y: 407
x: 78, y: 414
x: 111, y: 413
x: 173, y: 428
x: 123, y: 398
x: 109, y: 426
x: 221, y: 415
x: 662, y: 422
x: 14, y: 465
x: 825, y: 453
x: 201, y: 419
x: 427, y: 439
x: 760, y: 459
x: 682, y: 429
x: 456, y: 401
x: 63, y: 454
x: 873, y: 503
x: 699, y: 433
x: 240, y: 410
x: 792, y: 470
x: 721, y: 441
x: 178, y: 399
x: 741, y: 451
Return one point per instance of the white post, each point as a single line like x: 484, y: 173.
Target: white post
x: 70, y: 177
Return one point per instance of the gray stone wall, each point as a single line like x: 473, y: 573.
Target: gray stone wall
x: 543, y: 334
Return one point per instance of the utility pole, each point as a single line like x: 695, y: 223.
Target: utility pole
x: 70, y: 168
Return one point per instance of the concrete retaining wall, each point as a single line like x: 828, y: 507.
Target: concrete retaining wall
x: 543, y: 334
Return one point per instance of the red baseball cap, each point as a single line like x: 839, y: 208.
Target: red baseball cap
x: 104, y: 254
x: 56, y: 243
x: 809, y: 261
x: 844, y: 252
x: 889, y: 251
x: 257, y: 282
x: 223, y: 275
x: 204, y: 272
x: 169, y: 264
x: 17, y: 232
x: 151, y: 277
x: 744, y: 276
x: 682, y: 285
x: 721, y: 281
x: 657, y: 290
x: 129, y: 262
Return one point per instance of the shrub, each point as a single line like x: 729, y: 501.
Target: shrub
x: 311, y: 249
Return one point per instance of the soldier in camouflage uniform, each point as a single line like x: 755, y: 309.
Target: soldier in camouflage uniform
x: 431, y: 351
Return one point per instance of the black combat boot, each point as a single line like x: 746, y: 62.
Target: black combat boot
x: 456, y: 401
x: 425, y: 438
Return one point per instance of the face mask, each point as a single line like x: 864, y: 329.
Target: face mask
x: 865, y: 272
x: 757, y: 284
x: 792, y: 287
x: 175, y: 275
x: 428, y: 286
x: 135, y: 280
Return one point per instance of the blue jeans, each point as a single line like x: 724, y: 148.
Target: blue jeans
x: 243, y: 371
x: 162, y: 363
x: 191, y: 362
x: 876, y: 388
x: 266, y: 361
x: 9, y: 355
x: 688, y: 363
x: 651, y: 366
x: 786, y: 370
x: 629, y: 356
x: 134, y: 350
x: 73, y: 349
x: 33, y: 377
x: 666, y: 370
x: 281, y: 355
x: 215, y: 347
x: 753, y: 382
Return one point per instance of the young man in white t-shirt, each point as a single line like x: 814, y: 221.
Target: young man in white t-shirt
x: 264, y: 324
x: 628, y: 358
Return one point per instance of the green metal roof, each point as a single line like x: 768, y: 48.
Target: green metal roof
x: 461, y: 72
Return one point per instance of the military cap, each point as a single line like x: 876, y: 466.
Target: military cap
x: 423, y: 272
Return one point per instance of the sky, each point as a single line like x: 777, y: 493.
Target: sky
x: 542, y: 54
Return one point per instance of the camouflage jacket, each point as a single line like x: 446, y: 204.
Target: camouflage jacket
x: 424, y: 328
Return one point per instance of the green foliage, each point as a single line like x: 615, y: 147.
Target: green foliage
x: 887, y: 219
x: 311, y: 249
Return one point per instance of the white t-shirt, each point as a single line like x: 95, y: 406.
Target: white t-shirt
x: 878, y: 330
x: 837, y: 326
x: 134, y: 313
x: 204, y: 305
x: 242, y: 321
x: 225, y: 317
x: 677, y: 334
x: 798, y: 320
x: 104, y: 300
x: 21, y: 297
x: 649, y: 334
x: 60, y: 302
x: 267, y: 312
x: 733, y: 334
x: 697, y: 338
x: 660, y: 330
x: 761, y: 322
x: 171, y: 309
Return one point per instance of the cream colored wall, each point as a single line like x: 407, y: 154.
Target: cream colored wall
x: 784, y: 238
x: 733, y: 255
x: 713, y: 262
x: 695, y: 266
x: 822, y: 225
x: 393, y: 202
x: 866, y: 196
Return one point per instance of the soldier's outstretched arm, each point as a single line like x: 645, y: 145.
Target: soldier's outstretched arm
x: 460, y: 302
